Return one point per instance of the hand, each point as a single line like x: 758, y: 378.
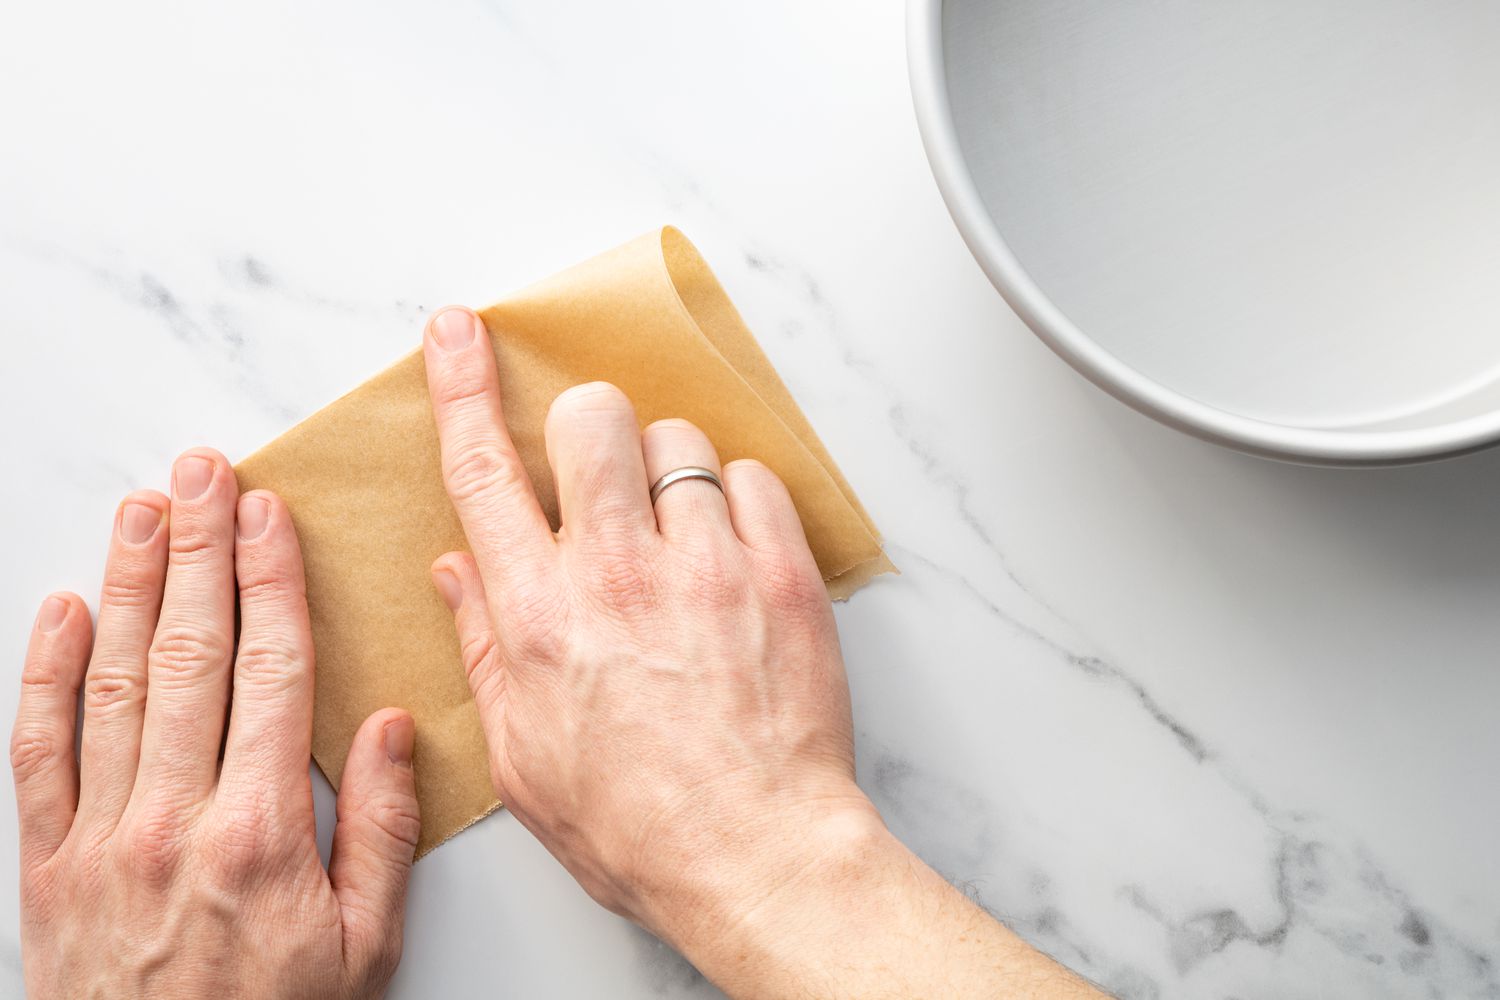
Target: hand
x: 661, y: 690
x: 666, y: 707
x: 147, y: 869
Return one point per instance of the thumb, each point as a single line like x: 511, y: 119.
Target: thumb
x: 374, y: 842
x: 458, y: 581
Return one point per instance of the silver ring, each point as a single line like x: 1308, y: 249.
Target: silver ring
x: 680, y: 475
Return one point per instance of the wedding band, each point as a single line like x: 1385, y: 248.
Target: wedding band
x: 681, y: 475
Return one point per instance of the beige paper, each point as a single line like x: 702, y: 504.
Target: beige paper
x: 362, y: 479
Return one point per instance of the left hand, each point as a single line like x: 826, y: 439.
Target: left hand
x: 149, y: 866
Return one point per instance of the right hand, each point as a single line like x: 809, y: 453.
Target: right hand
x: 666, y: 707
x: 661, y: 690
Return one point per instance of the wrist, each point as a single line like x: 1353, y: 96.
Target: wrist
x: 757, y: 902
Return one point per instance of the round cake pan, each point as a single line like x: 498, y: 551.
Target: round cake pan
x: 1273, y: 226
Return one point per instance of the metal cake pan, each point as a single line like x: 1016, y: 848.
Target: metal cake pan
x: 1273, y: 226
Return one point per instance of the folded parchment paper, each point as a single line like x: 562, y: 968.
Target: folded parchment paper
x: 362, y: 480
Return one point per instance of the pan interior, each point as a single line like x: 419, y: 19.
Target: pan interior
x: 1290, y: 211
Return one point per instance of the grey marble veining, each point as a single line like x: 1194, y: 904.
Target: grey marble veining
x: 1199, y: 725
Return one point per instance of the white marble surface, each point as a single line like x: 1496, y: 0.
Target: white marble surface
x: 1199, y: 725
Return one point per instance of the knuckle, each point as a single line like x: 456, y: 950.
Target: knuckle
x: 750, y: 468
x: 179, y: 650
x: 395, y: 816
x: 242, y: 840
x: 32, y: 753
x: 594, y: 486
x: 589, y: 399
x: 485, y: 471
x: 154, y: 845
x: 671, y: 425
x: 388, y: 956
x: 41, y: 672
x: 621, y: 581
x: 381, y: 955
x: 791, y: 584
x: 191, y: 544
x: 389, y: 814
x: 129, y: 590
x: 268, y: 657
x: 464, y: 382
x: 587, y: 489
x: 593, y: 421
x: 109, y: 684
x: 581, y: 413
x: 478, y: 652
x: 535, y: 625
x: 270, y: 588
x: 713, y: 578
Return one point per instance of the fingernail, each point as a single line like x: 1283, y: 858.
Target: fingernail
x: 251, y: 520
x: 54, y: 610
x: 400, y: 737
x: 447, y: 585
x: 454, y: 328
x: 191, y: 477
x: 138, y: 522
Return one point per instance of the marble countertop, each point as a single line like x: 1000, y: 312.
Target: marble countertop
x: 1198, y: 724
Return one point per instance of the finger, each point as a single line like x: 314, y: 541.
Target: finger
x: 763, y: 515
x: 457, y: 580
x: 594, y: 447
x: 270, y: 722
x: 785, y: 571
x: 187, y: 671
x: 41, y: 744
x: 485, y: 478
x: 375, y: 841
x: 114, y: 690
x: 689, y: 506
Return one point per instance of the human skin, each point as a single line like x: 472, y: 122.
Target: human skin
x: 147, y: 868
x: 662, y: 694
x: 666, y: 709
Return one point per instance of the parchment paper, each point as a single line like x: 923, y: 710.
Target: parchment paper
x: 362, y: 480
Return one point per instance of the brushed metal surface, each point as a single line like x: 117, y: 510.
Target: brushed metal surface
x: 1287, y: 213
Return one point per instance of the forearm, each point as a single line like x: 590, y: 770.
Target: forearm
x: 858, y: 915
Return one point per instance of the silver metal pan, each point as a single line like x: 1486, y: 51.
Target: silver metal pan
x: 1274, y: 225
